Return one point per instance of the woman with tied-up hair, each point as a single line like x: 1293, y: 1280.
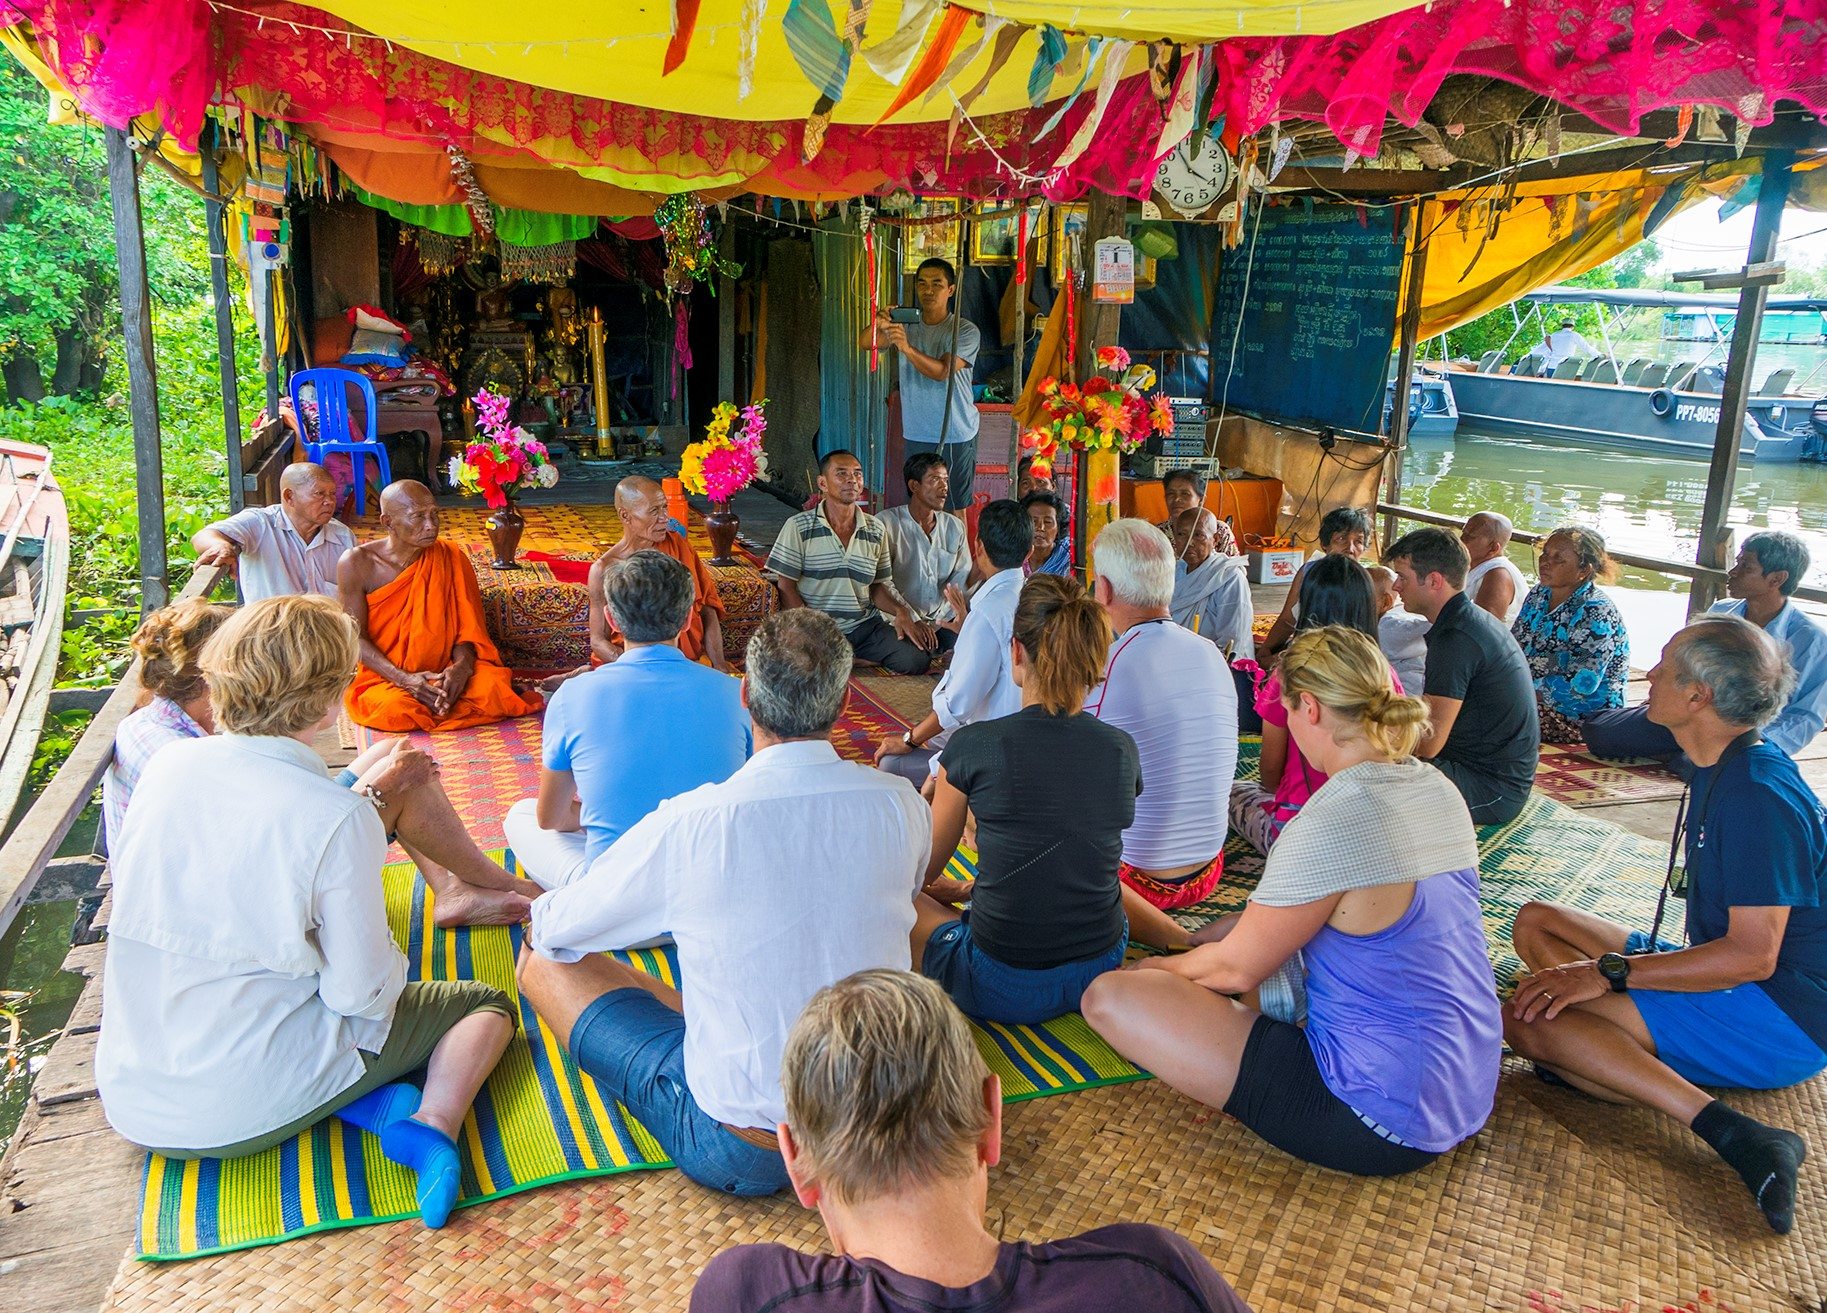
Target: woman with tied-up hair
x: 1373, y: 890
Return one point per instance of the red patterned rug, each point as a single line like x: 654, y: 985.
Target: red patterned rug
x: 488, y: 768
x: 1571, y: 775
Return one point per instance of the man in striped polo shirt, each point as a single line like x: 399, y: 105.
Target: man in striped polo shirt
x: 834, y: 558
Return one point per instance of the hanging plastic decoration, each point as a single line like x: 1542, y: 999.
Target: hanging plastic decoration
x: 438, y: 254
x: 691, y: 247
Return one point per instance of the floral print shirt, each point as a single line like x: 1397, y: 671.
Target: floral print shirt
x: 1579, y: 654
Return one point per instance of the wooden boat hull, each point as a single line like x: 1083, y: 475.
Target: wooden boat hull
x: 34, y: 573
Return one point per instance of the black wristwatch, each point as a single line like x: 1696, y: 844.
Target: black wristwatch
x: 1615, y: 967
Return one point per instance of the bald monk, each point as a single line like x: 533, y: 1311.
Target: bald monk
x: 640, y: 504
x: 427, y: 660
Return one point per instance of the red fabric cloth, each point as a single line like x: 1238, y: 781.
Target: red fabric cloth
x: 564, y: 569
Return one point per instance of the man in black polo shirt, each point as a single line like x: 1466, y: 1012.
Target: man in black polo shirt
x: 1485, y: 736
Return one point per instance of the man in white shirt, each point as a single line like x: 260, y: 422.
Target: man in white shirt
x: 1493, y: 581
x: 796, y: 871
x: 1172, y: 692
x: 927, y: 547
x: 980, y: 685
x: 1211, y: 590
x: 289, y: 548
x: 1563, y: 342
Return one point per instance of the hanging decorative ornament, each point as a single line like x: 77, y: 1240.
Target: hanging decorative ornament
x: 481, y: 211
x: 691, y: 247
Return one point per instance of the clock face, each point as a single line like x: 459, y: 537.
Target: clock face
x: 1196, y: 174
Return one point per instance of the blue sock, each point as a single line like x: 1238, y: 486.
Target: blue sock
x: 379, y: 1107
x: 433, y: 1155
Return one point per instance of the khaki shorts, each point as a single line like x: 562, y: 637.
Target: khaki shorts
x: 425, y: 1013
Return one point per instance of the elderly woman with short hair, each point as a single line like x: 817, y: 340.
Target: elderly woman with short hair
x: 252, y: 985
x: 1573, y: 634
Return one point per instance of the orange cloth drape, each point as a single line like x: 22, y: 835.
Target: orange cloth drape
x: 416, y: 621
x: 704, y: 593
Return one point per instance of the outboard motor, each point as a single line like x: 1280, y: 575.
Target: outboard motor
x: 1816, y: 447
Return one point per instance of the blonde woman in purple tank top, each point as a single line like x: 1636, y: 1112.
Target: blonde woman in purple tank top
x: 1370, y: 901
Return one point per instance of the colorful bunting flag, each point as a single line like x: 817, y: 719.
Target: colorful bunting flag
x: 684, y: 23
x: 1047, y: 59
x: 926, y: 73
x: 818, y: 48
x: 893, y: 55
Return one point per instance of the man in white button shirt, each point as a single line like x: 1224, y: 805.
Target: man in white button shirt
x: 796, y: 871
x: 927, y: 547
x: 980, y: 685
x: 289, y: 548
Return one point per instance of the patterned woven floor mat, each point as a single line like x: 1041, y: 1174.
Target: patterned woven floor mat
x: 1531, y: 1216
x: 1569, y: 774
x: 538, y: 1120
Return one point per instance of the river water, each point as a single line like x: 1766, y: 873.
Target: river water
x: 1648, y: 505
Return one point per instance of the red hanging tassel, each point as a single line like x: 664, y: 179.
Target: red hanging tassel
x: 1071, y: 324
x: 1021, y: 248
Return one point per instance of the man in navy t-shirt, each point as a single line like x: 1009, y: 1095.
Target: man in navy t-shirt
x: 1743, y: 1004
x: 893, y: 1123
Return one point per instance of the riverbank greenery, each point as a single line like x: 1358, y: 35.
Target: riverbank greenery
x: 58, y: 260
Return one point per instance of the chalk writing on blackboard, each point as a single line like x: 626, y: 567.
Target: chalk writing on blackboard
x: 1318, y: 317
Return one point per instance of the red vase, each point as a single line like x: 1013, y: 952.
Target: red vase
x: 504, y: 529
x: 722, y: 524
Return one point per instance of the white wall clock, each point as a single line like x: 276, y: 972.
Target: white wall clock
x: 1196, y: 174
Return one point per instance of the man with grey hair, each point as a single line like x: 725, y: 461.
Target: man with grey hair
x: 1743, y: 1004
x: 622, y: 738
x: 1769, y: 569
x: 1172, y: 692
x: 796, y: 871
x: 1211, y: 589
x: 292, y: 547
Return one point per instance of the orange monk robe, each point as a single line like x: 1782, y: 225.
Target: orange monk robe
x: 704, y: 593
x: 416, y: 621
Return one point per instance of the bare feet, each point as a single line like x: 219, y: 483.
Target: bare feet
x: 472, y: 906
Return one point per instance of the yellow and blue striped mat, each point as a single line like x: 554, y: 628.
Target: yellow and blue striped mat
x: 537, y: 1120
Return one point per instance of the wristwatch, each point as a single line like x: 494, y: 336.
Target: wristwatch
x: 907, y: 739
x: 1615, y: 967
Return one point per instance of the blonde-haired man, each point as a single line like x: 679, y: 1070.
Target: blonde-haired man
x: 893, y: 1123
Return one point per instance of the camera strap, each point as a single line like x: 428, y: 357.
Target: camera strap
x: 1675, y: 878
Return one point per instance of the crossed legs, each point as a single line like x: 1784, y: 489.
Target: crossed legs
x: 467, y: 888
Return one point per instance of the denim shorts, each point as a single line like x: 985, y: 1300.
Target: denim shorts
x: 990, y: 990
x: 1735, y: 1039
x: 633, y: 1045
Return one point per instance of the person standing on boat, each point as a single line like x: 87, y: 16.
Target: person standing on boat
x: 289, y: 548
x: 1493, y: 582
x: 1769, y: 569
x: 1563, y: 342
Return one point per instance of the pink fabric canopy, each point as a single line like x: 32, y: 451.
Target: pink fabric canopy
x: 1612, y: 60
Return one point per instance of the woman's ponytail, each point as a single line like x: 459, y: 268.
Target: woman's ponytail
x: 1066, y: 638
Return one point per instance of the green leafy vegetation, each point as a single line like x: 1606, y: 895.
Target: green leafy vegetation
x: 57, y: 266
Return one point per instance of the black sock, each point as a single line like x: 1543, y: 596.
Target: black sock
x: 1766, y: 1159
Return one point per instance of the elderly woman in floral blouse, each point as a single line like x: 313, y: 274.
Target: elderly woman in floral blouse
x: 1573, y: 634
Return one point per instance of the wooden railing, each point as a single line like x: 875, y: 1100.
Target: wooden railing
x: 35, y: 840
x: 1661, y: 565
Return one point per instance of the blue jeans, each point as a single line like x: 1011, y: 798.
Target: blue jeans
x: 990, y: 990
x: 1629, y: 732
x: 634, y: 1047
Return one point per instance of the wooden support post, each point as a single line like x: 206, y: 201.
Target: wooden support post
x: 1715, y: 549
x: 1407, y: 332
x: 214, y: 214
x: 1018, y: 373
x: 1098, y: 325
x: 726, y: 321
x: 142, y: 371
x: 269, y: 347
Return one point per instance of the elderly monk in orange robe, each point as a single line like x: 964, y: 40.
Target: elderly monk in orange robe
x: 427, y: 660
x: 640, y: 504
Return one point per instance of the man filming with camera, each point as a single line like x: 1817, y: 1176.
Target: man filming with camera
x: 1743, y: 1005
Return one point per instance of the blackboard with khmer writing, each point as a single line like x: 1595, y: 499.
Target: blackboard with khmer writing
x: 1318, y: 318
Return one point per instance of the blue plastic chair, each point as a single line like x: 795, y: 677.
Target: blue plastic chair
x: 335, y: 432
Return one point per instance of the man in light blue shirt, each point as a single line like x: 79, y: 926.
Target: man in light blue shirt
x: 938, y: 412
x: 1769, y: 569
x: 980, y: 683
x: 625, y: 737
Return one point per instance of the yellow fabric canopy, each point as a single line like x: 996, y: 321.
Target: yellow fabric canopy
x: 617, y: 51
x: 1553, y: 231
